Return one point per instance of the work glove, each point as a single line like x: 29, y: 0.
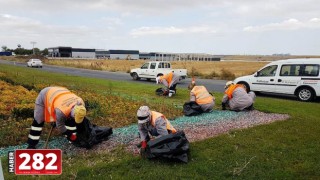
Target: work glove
x: 143, y: 149
x: 71, y: 136
x: 165, y: 92
x: 144, y: 144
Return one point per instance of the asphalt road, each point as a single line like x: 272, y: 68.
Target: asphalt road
x: 211, y: 85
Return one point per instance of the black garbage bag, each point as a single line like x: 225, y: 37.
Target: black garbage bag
x: 172, y: 146
x: 162, y: 92
x: 191, y: 108
x: 89, y: 134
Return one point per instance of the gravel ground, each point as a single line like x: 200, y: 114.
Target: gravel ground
x: 196, y: 128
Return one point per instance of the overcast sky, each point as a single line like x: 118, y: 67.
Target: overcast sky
x: 191, y: 26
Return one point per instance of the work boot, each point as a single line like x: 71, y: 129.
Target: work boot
x: 171, y: 92
x: 250, y: 108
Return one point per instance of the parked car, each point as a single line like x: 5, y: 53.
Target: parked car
x: 299, y: 77
x: 34, y: 63
x: 153, y: 69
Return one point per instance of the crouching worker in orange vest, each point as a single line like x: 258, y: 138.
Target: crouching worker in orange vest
x: 56, y: 105
x: 153, y: 123
x: 237, y: 98
x: 169, y: 80
x: 201, y: 96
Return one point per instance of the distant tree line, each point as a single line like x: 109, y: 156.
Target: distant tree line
x: 23, y: 51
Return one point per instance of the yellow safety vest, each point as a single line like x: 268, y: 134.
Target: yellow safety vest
x: 231, y: 88
x: 167, y: 77
x: 155, y: 115
x: 202, y: 95
x: 60, y: 98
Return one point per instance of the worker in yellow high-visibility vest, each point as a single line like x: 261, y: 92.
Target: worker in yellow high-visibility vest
x: 56, y: 105
x: 236, y: 97
x: 169, y: 80
x: 201, y: 96
x: 153, y: 123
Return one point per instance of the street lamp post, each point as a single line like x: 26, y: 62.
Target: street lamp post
x: 33, y: 43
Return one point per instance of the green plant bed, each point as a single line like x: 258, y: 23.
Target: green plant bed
x: 281, y: 150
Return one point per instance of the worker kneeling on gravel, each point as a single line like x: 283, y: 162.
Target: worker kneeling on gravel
x: 169, y: 80
x: 152, y: 123
x: 56, y: 105
x: 236, y: 97
x: 201, y: 96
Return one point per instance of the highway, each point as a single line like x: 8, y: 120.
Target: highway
x: 211, y: 85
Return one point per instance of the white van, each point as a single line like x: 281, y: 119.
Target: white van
x: 299, y: 77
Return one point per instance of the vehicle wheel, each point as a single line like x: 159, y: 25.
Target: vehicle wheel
x: 40, y: 66
x: 246, y: 85
x: 135, y: 76
x: 305, y: 94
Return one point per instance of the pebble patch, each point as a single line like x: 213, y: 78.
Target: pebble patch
x: 196, y: 128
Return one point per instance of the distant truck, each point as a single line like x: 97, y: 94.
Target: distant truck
x: 6, y: 53
x: 153, y: 69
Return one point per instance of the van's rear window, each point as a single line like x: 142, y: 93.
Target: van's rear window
x: 300, y: 70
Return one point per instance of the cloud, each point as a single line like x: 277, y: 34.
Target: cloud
x: 26, y: 26
x: 143, y: 31
x: 155, y: 31
x: 22, y: 30
x: 141, y: 6
x: 290, y: 24
x: 111, y: 21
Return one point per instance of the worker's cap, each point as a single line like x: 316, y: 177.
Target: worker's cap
x: 228, y: 84
x: 143, y: 114
x: 79, y: 113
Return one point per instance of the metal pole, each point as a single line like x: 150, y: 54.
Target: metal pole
x: 46, y: 144
x: 33, y: 43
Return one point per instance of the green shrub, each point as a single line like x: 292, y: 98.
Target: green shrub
x: 227, y: 75
x: 22, y: 113
x: 212, y: 75
x: 194, y: 73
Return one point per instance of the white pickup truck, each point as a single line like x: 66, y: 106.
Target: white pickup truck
x: 151, y: 70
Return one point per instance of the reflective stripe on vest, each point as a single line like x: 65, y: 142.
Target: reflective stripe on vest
x: 60, y: 98
x: 202, y: 95
x: 155, y: 115
x: 231, y: 88
x: 167, y: 77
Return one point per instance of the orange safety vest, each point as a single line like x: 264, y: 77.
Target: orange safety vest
x: 167, y: 77
x: 202, y: 95
x: 60, y: 98
x: 155, y: 115
x: 231, y: 88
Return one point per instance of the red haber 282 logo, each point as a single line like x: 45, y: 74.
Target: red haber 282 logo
x: 38, y: 161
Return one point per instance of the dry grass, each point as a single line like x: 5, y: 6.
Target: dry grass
x: 105, y: 65
x: 238, y: 65
x: 206, y: 68
x: 199, y: 68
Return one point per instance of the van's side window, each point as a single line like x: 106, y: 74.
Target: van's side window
x: 145, y: 66
x: 290, y: 70
x: 153, y: 66
x: 268, y: 71
x: 311, y: 70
